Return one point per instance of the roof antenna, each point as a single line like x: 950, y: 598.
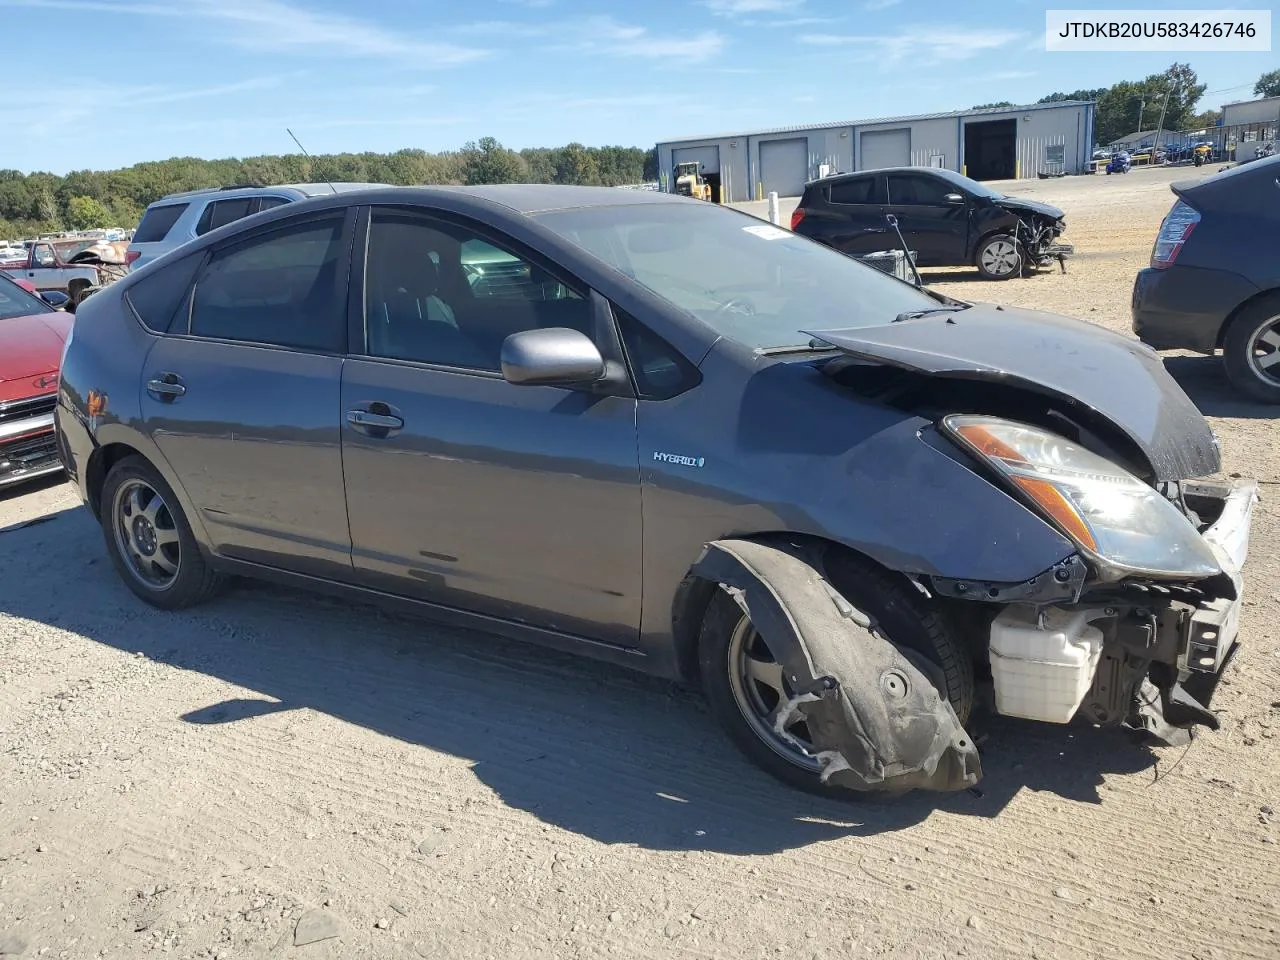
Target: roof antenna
x: 308, y: 156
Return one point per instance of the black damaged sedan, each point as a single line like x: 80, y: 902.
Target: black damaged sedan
x: 668, y: 435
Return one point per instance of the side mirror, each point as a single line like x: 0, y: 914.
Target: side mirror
x: 555, y: 356
x: 954, y: 198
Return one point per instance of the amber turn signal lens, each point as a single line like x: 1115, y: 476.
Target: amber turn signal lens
x: 1053, y: 503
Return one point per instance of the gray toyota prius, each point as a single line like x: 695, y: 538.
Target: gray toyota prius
x: 666, y: 434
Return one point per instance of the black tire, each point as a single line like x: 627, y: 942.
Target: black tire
x: 904, y: 616
x: 193, y: 581
x: 1239, y: 348
x: 998, y: 248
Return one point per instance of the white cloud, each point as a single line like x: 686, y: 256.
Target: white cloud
x: 607, y: 35
x: 275, y: 25
x: 42, y: 113
x: 791, y: 22
x: 736, y: 8
x: 922, y: 44
x: 874, y: 5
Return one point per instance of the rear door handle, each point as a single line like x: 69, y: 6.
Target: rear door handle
x: 168, y: 386
x: 382, y: 421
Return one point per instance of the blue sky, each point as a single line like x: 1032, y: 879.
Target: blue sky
x: 105, y: 83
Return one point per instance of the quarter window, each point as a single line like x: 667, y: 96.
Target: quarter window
x: 438, y: 293
x: 157, y: 222
x: 286, y: 288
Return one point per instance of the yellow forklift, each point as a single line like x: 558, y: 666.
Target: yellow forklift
x: 689, y: 181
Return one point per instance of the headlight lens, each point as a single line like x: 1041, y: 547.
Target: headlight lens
x: 1109, y: 513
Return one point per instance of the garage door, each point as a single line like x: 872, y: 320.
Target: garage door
x: 707, y: 157
x: 886, y: 148
x: 784, y: 166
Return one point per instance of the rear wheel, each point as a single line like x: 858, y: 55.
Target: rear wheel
x: 1251, y: 350
x: 745, y: 683
x: 998, y: 257
x: 149, y: 539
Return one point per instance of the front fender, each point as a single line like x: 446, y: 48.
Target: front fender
x: 877, y: 720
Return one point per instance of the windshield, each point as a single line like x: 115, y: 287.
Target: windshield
x: 975, y: 187
x: 747, y: 279
x: 16, y: 302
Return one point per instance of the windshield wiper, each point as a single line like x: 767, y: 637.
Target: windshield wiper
x: 815, y: 345
x: 915, y: 314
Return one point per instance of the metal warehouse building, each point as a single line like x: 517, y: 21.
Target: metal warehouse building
x: 994, y: 144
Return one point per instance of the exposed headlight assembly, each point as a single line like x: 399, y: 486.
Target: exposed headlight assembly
x: 1122, y: 525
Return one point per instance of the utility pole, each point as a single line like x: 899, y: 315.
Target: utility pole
x: 1142, y: 104
x: 1160, y: 126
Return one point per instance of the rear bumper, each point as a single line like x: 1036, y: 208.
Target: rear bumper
x: 1183, y: 307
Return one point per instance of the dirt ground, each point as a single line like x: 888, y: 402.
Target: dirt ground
x: 221, y: 782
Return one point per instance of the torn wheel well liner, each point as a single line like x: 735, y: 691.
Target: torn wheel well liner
x: 875, y: 710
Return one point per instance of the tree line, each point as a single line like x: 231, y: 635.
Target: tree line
x: 1125, y: 107
x: 87, y: 199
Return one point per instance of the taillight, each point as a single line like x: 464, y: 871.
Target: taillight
x: 796, y: 216
x: 130, y: 256
x: 1175, y: 229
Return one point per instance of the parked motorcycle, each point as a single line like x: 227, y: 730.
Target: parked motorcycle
x: 1119, y: 163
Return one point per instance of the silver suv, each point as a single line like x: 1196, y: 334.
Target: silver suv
x: 179, y: 217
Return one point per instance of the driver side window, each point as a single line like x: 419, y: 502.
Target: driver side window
x: 436, y: 292
x: 44, y: 255
x: 915, y: 190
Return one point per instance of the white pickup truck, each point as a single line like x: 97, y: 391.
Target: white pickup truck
x: 74, y: 267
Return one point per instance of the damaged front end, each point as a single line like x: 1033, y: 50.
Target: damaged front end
x: 1137, y: 651
x: 872, y: 708
x: 1037, y: 235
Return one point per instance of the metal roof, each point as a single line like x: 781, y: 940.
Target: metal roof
x: 945, y: 115
x: 1241, y: 103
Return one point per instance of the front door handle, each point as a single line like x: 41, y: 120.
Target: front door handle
x: 168, y: 386
x: 381, y: 421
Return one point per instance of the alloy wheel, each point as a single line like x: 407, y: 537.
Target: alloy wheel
x: 1264, y: 351
x: 1000, y: 257
x: 761, y: 692
x: 146, y: 534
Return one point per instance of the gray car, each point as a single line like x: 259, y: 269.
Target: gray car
x: 669, y: 435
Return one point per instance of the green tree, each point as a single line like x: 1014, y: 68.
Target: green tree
x: 988, y: 106
x: 1268, y: 85
x: 488, y: 161
x: 86, y: 213
x: 577, y: 164
x: 1093, y: 94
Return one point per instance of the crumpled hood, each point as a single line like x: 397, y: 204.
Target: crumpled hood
x: 31, y: 346
x: 1018, y: 205
x: 1116, y: 377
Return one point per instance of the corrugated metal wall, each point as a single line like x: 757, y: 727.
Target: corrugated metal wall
x: 1066, y: 128
x: 1070, y: 128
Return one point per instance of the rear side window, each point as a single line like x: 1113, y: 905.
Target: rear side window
x: 266, y: 203
x: 862, y: 190
x: 286, y: 288
x: 157, y: 222
x: 221, y: 212
x: 156, y: 298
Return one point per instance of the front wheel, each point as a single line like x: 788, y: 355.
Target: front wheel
x: 745, y: 683
x: 149, y: 539
x: 998, y: 258
x: 1251, y: 350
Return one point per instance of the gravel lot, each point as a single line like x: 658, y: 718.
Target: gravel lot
x: 194, y: 784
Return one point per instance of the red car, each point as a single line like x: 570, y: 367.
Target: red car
x: 32, y: 335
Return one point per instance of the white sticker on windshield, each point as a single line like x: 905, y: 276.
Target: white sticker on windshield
x: 768, y: 232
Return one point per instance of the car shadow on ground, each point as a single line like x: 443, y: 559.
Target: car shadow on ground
x: 599, y: 751
x: 1205, y: 382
